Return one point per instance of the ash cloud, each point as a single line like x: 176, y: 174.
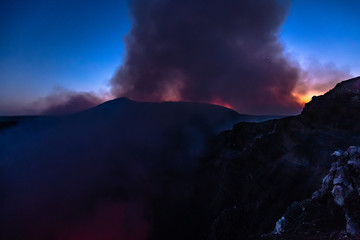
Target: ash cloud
x: 211, y: 51
x: 63, y: 102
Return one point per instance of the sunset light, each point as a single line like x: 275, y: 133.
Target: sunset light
x: 304, y: 98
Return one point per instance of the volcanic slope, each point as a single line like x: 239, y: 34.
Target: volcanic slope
x: 130, y: 163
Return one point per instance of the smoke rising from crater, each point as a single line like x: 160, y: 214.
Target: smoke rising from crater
x: 217, y: 51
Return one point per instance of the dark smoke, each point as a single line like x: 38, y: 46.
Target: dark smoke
x: 63, y: 102
x: 216, y: 51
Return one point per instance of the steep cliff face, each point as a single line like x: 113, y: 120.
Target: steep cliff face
x: 253, y: 172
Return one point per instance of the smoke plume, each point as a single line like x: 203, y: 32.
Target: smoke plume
x: 215, y: 51
x: 63, y: 102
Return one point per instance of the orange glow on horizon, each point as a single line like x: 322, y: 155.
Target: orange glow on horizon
x: 305, y: 98
x: 219, y: 102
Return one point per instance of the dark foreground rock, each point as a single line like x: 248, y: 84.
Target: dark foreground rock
x: 333, y: 210
x: 255, y: 171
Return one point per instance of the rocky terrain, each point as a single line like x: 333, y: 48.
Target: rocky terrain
x: 333, y: 211
x: 254, y: 172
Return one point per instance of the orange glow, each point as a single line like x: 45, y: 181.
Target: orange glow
x: 305, y: 98
x: 221, y: 103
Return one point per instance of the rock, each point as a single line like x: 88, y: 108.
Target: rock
x: 342, y: 190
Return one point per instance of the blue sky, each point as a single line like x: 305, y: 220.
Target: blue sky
x: 327, y: 30
x: 78, y: 44
x: 52, y: 43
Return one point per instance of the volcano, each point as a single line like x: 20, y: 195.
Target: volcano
x: 61, y: 173
x: 178, y: 170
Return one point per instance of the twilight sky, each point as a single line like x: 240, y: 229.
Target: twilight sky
x: 78, y: 45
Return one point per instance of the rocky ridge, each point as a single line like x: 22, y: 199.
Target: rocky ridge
x: 252, y: 173
x: 333, y: 210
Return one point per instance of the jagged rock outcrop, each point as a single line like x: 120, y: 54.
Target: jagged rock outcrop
x: 333, y: 211
x: 253, y: 172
